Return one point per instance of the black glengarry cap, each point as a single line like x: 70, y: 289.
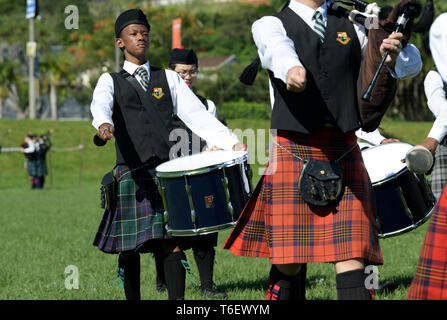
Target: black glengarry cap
x: 183, y: 56
x: 132, y: 16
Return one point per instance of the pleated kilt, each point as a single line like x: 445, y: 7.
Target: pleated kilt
x: 138, y: 216
x: 36, y: 167
x: 439, y: 173
x: 277, y: 223
x: 430, y: 279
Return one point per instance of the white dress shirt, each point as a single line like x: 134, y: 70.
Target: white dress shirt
x: 186, y: 105
x: 374, y: 138
x: 438, y: 44
x: 434, y: 81
x: 277, y: 51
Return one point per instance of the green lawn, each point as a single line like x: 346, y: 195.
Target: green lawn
x: 44, y: 231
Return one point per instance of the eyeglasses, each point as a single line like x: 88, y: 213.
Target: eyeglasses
x: 191, y: 73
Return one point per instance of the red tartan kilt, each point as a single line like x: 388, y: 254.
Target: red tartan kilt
x: 277, y: 223
x: 430, y: 279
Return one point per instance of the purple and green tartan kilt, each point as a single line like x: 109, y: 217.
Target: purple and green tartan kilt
x: 430, y: 279
x: 36, y: 167
x: 137, y: 221
x: 278, y: 224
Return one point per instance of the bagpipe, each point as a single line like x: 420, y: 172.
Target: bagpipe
x: 376, y: 86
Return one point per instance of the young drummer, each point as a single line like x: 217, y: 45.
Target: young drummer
x: 136, y: 107
x: 185, y: 63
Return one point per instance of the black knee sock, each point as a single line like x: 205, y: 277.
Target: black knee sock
x: 351, y: 285
x: 175, y: 275
x: 283, y: 287
x: 160, y: 256
x: 204, y: 258
x: 130, y: 263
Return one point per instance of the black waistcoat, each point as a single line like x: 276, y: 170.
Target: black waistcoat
x: 332, y: 69
x: 141, y: 135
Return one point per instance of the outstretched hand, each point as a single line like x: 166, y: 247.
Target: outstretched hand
x: 105, y: 131
x: 296, y: 79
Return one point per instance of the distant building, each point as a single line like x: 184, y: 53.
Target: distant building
x: 217, y: 62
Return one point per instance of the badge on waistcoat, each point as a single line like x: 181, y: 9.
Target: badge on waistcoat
x: 158, y: 93
x: 209, y: 202
x: 343, y: 38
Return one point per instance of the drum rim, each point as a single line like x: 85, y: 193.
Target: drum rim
x: 202, y: 170
x: 395, y: 175
x: 199, y: 231
x: 409, y: 228
x: 390, y: 178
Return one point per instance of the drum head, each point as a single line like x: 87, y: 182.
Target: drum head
x: 202, y: 161
x: 385, y: 160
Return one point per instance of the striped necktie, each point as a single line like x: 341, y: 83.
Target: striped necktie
x: 319, y: 26
x: 143, y: 77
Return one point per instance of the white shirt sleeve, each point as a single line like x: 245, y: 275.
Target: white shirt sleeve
x: 102, y: 103
x: 438, y: 44
x: 212, y: 108
x: 194, y: 114
x: 275, y: 49
x: 31, y: 147
x: 374, y: 137
x: 437, y: 103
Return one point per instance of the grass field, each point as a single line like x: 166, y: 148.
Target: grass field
x: 45, y: 231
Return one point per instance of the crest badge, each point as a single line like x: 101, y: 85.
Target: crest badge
x: 209, y: 202
x: 158, y: 93
x: 343, y: 38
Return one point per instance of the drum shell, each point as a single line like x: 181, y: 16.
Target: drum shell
x: 208, y: 190
x: 404, y: 201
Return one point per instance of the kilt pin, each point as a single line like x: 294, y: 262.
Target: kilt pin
x: 138, y: 216
x: 278, y: 224
x: 430, y: 279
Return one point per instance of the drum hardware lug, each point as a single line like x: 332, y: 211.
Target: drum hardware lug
x: 227, y: 194
x: 404, y: 203
x: 379, y: 226
x: 427, y: 189
x: 161, y: 191
x: 191, y: 204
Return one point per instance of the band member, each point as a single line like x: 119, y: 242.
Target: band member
x: 313, y: 58
x: 435, y: 85
x: 35, y: 161
x: 185, y: 63
x: 136, y: 107
x: 430, y: 279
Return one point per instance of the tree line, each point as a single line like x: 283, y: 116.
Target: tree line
x: 71, y: 60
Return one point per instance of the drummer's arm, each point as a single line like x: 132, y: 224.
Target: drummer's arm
x: 194, y: 114
x: 102, y: 107
x: 437, y: 103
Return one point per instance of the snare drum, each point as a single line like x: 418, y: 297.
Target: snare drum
x: 404, y: 200
x: 204, y: 193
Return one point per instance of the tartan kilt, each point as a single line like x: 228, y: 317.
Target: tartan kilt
x: 430, y: 279
x: 439, y: 173
x: 138, y: 216
x: 277, y: 223
x: 36, y: 167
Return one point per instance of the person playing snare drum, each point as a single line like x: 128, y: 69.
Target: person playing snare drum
x: 185, y: 63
